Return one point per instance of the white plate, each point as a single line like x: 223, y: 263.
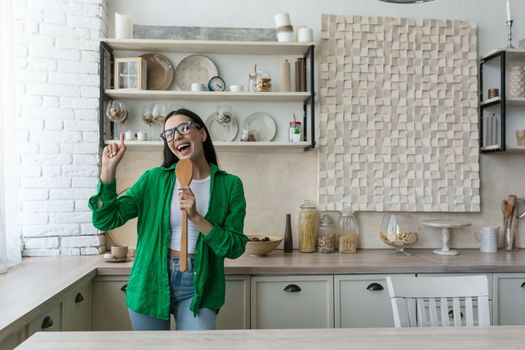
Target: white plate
x: 262, y: 125
x: 194, y: 69
x: 222, y: 132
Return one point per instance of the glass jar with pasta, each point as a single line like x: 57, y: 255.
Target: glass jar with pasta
x: 308, y: 221
x: 327, y: 235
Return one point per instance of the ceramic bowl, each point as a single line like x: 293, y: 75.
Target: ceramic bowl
x: 259, y: 245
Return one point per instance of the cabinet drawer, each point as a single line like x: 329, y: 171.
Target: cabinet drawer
x: 49, y: 321
x: 362, y: 301
x: 509, y: 297
x: 77, y: 308
x: 110, y: 312
x: 292, y: 302
x: 235, y: 313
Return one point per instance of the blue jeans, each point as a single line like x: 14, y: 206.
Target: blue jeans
x: 181, y: 293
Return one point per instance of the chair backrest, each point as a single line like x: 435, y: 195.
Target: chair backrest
x: 439, y: 301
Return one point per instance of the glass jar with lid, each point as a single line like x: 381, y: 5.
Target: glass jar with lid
x: 295, y: 132
x: 349, y: 231
x: 308, y: 220
x: 327, y: 237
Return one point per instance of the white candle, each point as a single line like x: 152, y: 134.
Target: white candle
x: 509, y: 16
x: 123, y: 26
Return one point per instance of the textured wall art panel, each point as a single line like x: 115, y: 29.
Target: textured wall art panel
x: 398, y: 114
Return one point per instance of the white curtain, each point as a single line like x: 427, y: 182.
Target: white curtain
x: 9, y: 239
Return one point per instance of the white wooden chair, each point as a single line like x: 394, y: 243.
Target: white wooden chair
x: 424, y: 301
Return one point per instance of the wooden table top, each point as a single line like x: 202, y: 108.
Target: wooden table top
x: 477, y: 338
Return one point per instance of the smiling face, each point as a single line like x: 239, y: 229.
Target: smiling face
x: 189, y: 145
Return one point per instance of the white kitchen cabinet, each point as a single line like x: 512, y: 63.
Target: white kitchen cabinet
x: 235, y: 313
x: 509, y: 296
x: 362, y: 301
x: 292, y: 302
x: 462, y: 304
x: 14, y: 339
x: 77, y: 304
x: 48, y: 321
x: 110, y: 312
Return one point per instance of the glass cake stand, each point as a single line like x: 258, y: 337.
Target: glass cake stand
x: 445, y: 226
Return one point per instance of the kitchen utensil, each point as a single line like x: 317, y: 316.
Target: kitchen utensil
x: 160, y: 71
x: 194, y: 69
x: 184, y: 173
x: 262, y: 124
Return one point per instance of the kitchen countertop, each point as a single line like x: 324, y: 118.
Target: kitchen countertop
x: 38, y: 281
x: 475, y: 338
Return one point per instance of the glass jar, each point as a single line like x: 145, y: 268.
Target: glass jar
x: 264, y: 82
x: 308, y: 219
x: 349, y: 239
x: 327, y: 237
x: 252, y: 77
x: 295, y: 132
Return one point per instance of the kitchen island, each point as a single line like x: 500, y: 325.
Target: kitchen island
x: 477, y: 338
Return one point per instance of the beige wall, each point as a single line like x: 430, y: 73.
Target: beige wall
x: 277, y: 183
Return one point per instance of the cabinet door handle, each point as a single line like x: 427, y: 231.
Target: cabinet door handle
x: 124, y: 288
x: 523, y: 285
x: 79, y: 298
x: 292, y: 288
x: 374, y: 287
x: 451, y: 313
x: 47, y: 323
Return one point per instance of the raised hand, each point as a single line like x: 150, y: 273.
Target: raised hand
x: 111, y: 157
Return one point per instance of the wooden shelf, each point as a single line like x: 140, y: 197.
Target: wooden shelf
x: 491, y: 101
x: 512, y: 54
x: 516, y: 101
x: 223, y: 146
x: 491, y: 148
x: 210, y: 46
x: 208, y: 95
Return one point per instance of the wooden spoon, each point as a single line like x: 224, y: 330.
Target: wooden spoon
x: 184, y: 173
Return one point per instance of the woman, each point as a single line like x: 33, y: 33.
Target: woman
x: 216, y: 209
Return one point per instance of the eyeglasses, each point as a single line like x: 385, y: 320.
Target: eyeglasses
x: 182, y: 129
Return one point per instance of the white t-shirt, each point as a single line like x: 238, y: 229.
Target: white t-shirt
x: 201, y: 191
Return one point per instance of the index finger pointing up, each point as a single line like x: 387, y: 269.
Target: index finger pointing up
x: 122, y: 139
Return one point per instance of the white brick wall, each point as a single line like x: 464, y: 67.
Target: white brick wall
x: 57, y: 82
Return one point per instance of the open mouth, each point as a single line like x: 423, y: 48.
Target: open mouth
x: 184, y: 148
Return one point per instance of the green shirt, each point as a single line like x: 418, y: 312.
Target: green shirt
x: 149, y: 199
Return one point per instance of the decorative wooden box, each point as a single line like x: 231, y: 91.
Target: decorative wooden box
x: 130, y: 73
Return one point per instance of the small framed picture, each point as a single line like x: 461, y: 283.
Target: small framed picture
x: 130, y: 73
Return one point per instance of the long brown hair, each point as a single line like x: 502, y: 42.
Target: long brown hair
x: 209, y: 150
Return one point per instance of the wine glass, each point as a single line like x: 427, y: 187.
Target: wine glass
x: 147, y: 114
x: 116, y: 112
x: 159, y: 113
x: 399, y: 231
